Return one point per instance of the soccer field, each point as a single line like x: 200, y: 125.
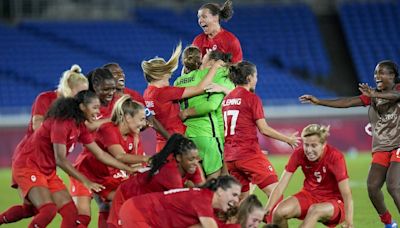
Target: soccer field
x: 364, y: 213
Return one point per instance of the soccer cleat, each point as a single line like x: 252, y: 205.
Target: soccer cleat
x: 392, y: 225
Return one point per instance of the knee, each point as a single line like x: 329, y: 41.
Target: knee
x: 393, y: 188
x: 373, y: 188
x: 314, y: 210
x: 282, y: 212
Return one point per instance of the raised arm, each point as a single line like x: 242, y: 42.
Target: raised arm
x: 392, y: 95
x: 345, y: 191
x: 60, y: 154
x: 209, y: 105
x: 278, y: 191
x: 344, y: 102
x: 266, y: 130
x: 199, y: 89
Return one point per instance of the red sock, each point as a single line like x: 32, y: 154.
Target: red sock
x: 103, y: 216
x: 386, y: 217
x: 69, y: 215
x: 45, y: 215
x: 83, y: 221
x: 268, y: 218
x: 16, y: 213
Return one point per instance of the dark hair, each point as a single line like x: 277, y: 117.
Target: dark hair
x: 110, y: 65
x: 97, y: 76
x: 191, y: 59
x: 393, y: 67
x: 225, y: 12
x: 176, y: 144
x: 270, y: 226
x: 239, y: 72
x: 218, y: 55
x: 223, y: 182
x: 68, y: 107
x: 247, y: 206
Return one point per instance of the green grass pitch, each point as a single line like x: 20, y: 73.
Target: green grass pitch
x: 364, y: 213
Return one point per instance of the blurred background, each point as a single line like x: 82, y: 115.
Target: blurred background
x: 319, y: 47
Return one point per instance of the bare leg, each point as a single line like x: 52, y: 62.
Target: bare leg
x: 317, y: 212
x: 376, y: 178
x: 287, y: 209
x: 393, y: 182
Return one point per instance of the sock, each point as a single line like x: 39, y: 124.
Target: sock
x: 103, y: 216
x: 45, y: 215
x: 16, y: 213
x: 83, y: 221
x: 386, y: 217
x: 268, y: 218
x: 69, y: 215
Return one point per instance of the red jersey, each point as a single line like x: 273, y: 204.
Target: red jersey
x: 224, y: 41
x: 241, y: 109
x: 134, y: 95
x: 163, y: 103
x: 168, y: 177
x: 38, y: 151
x: 39, y: 107
x: 175, y: 208
x: 322, y: 176
x: 107, y: 135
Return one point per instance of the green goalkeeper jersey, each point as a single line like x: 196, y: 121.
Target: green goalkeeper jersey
x: 209, y: 120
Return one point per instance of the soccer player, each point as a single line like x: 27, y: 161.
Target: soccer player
x: 35, y: 170
x: 384, y: 112
x: 214, y: 36
x: 181, y: 207
x: 120, y: 138
x: 165, y: 173
x: 119, y: 76
x: 326, y: 194
x: 162, y: 99
x: 243, y: 115
x: 205, y: 124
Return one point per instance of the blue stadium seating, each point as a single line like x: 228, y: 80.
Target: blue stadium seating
x: 373, y: 33
x: 281, y: 40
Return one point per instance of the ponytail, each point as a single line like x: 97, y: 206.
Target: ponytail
x: 223, y: 182
x: 225, y: 12
x: 176, y: 144
x: 70, y: 79
x: 239, y: 72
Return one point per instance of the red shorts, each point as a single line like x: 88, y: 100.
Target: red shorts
x: 28, y: 178
x: 257, y: 170
x: 306, y: 199
x: 78, y: 189
x: 385, y: 157
x: 131, y: 216
x: 116, y: 205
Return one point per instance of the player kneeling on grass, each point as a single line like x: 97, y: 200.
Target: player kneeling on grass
x: 326, y: 195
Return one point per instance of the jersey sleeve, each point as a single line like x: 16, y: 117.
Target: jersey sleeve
x: 236, y: 51
x: 338, y: 167
x: 59, y: 131
x: 196, y: 42
x: 257, y: 107
x: 41, y: 105
x: 365, y: 100
x: 209, y: 105
x: 85, y: 137
x: 293, y: 162
x: 170, y: 93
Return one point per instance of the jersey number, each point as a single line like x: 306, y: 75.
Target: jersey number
x: 318, y: 176
x: 235, y: 115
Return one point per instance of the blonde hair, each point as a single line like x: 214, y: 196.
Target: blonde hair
x: 71, y: 78
x: 191, y: 59
x: 124, y: 105
x: 321, y: 131
x: 157, y: 69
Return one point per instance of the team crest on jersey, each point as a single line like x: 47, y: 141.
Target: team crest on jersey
x: 33, y: 178
x: 130, y: 146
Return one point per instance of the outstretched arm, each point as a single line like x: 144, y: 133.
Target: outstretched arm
x: 60, y: 154
x: 278, y: 191
x: 368, y: 91
x: 345, y: 191
x: 345, y: 102
x: 266, y: 130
